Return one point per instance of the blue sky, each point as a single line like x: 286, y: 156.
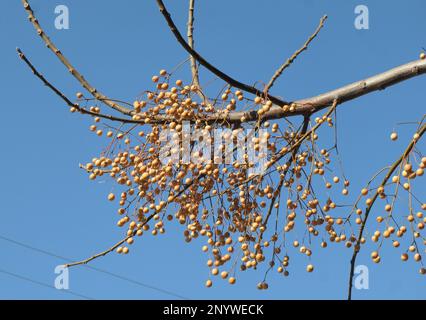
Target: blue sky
x: 47, y: 202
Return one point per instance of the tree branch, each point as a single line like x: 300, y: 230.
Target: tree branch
x: 65, y: 98
x: 190, y: 35
x: 98, y: 95
x: 348, y: 92
x: 363, y: 87
x: 284, y: 66
x: 206, y: 64
x: 104, y: 253
x: 314, y: 104
x: 115, y: 246
x: 304, y: 106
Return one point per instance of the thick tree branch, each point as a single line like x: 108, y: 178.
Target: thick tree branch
x: 348, y: 92
x: 314, y: 104
x: 98, y: 95
x: 363, y: 87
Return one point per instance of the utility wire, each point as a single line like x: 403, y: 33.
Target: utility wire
x: 21, y: 277
x: 24, y: 245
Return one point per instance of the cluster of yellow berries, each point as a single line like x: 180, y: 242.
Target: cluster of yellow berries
x: 416, y: 221
x: 241, y: 217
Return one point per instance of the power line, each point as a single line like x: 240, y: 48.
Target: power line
x: 21, y: 277
x: 24, y: 245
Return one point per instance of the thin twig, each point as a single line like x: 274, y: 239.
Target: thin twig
x: 190, y: 35
x: 283, y: 174
x: 65, y: 98
x: 307, y: 134
x: 98, y: 95
x: 115, y: 246
x: 289, y: 61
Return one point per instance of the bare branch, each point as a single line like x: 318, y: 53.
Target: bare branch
x: 98, y: 95
x: 363, y: 87
x: 348, y: 92
x: 103, y: 253
x: 286, y: 64
x: 190, y: 35
x: 65, y: 98
x: 194, y: 66
x: 207, y: 65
